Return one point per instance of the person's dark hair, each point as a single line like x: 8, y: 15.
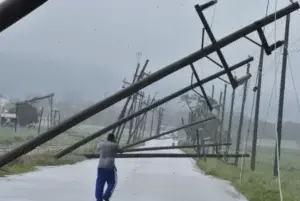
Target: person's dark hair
x: 111, y: 137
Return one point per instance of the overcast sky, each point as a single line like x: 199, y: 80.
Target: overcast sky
x: 86, y: 48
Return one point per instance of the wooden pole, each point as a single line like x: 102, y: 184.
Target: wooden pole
x: 257, y: 107
x: 41, y: 118
x: 281, y: 96
x: 230, y: 119
x: 223, y: 115
x: 239, y: 134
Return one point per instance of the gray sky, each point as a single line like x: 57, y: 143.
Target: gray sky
x: 72, y: 47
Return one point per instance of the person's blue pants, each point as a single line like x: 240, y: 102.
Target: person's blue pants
x: 108, y: 176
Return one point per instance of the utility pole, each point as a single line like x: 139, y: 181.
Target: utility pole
x: 128, y: 98
x: 238, y: 141
x: 218, y: 115
x: 17, y: 119
x: 136, y: 78
x: 223, y: 115
x: 152, y: 121
x: 145, y: 118
x: 230, y: 119
x: 257, y: 106
x: 40, y: 120
x: 281, y: 95
x: 138, y: 55
x: 51, y: 110
x: 158, y: 122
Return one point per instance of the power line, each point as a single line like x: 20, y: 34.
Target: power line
x: 293, y: 82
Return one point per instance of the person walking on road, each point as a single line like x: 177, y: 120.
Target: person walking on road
x: 107, y: 171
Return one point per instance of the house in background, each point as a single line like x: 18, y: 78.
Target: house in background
x: 7, y: 119
x: 3, y: 104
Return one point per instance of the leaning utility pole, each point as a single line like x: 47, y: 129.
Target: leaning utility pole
x: 11, y: 11
x: 213, y: 91
x: 159, y: 120
x: 239, y: 133
x: 128, y: 98
x: 218, y: 115
x: 257, y: 105
x: 152, y: 121
x: 281, y: 95
x: 135, y: 79
x: 222, y: 118
x: 145, y: 118
x: 138, y: 119
x: 230, y: 119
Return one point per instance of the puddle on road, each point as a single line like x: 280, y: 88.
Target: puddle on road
x: 138, y: 179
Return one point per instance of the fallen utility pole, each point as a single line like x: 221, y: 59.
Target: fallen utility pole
x: 150, y: 107
x: 163, y: 72
x: 281, y: 96
x: 12, y: 11
x: 168, y: 132
x: 171, y: 155
x: 171, y: 147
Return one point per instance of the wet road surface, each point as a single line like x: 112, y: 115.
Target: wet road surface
x: 138, y: 180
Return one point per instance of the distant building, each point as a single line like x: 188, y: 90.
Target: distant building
x: 3, y: 103
x: 7, y: 119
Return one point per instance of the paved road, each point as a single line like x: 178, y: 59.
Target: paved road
x: 139, y: 180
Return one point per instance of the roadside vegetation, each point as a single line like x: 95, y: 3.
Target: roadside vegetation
x: 43, y: 155
x: 31, y: 163
x: 259, y: 185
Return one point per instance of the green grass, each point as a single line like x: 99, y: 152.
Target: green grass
x: 30, y: 163
x: 259, y: 185
x: 9, y: 138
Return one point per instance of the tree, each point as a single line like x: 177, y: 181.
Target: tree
x: 26, y: 113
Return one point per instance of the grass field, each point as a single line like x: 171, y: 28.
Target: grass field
x: 43, y: 155
x: 259, y: 185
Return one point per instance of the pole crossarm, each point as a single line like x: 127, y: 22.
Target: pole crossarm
x: 170, y: 155
x: 152, y: 78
